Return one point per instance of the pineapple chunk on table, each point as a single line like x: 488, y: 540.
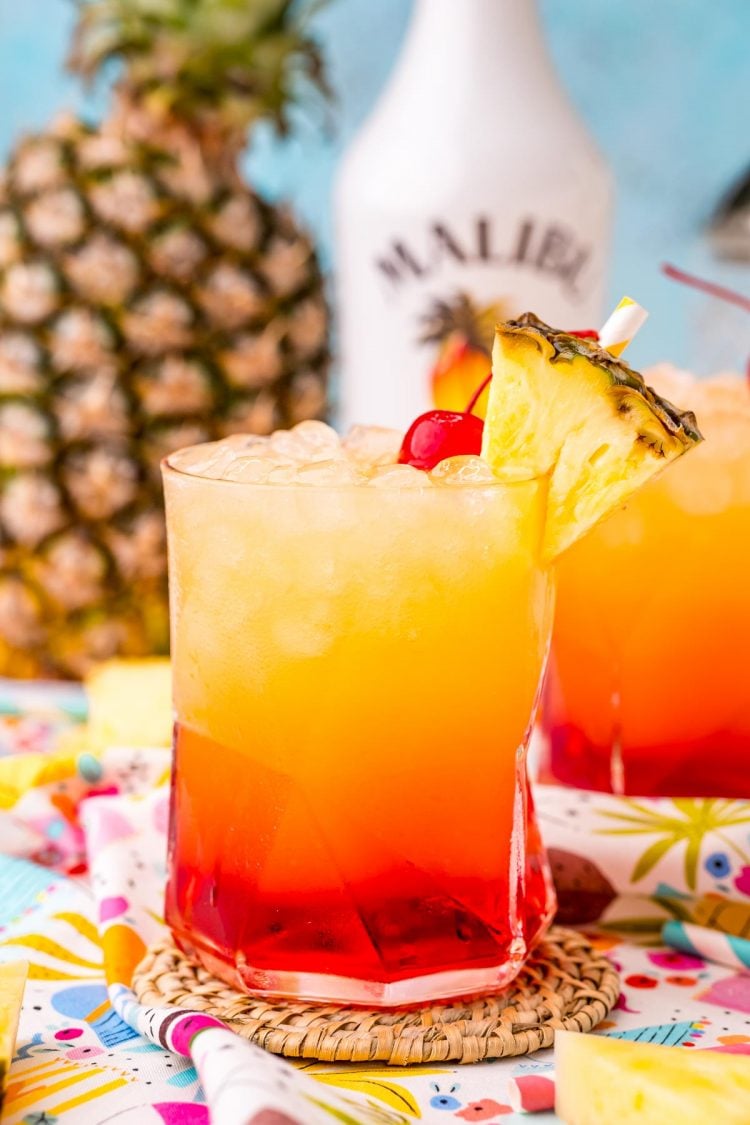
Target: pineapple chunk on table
x: 599, y: 1080
x: 130, y: 704
x: 12, y: 981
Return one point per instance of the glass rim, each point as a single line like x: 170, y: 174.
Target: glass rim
x: 170, y: 469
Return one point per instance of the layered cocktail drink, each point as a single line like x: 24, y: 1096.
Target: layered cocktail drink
x: 359, y: 633
x: 649, y: 684
x: 357, y: 654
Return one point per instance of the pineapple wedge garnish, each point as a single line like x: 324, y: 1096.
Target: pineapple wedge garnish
x: 563, y: 408
x: 130, y: 703
x: 600, y: 1080
x: 12, y: 980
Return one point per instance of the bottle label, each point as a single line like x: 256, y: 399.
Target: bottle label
x: 547, y: 248
x: 420, y: 296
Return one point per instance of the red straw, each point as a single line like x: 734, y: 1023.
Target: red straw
x: 712, y: 289
x: 709, y: 287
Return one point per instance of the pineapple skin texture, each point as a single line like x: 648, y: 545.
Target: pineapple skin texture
x: 145, y: 305
x: 599, y: 1080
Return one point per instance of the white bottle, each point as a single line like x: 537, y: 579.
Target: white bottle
x: 473, y: 175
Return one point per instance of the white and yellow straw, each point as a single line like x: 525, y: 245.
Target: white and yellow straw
x: 621, y: 326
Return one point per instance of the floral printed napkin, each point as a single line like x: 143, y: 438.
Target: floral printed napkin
x: 632, y: 863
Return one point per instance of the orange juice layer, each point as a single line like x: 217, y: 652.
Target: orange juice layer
x: 355, y: 672
x: 649, y: 684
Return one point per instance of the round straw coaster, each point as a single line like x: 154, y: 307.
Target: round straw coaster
x: 565, y: 984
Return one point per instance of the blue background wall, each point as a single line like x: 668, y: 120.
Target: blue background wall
x: 664, y: 86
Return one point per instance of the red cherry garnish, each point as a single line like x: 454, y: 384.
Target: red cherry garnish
x: 586, y: 334
x: 439, y: 434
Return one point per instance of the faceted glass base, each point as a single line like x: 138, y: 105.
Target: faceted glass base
x: 284, y: 896
x: 330, y: 989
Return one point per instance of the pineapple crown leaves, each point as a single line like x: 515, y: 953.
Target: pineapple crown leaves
x: 235, y: 61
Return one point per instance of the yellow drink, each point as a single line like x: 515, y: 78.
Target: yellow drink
x: 356, y: 668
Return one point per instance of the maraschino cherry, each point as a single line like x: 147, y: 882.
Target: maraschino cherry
x: 443, y: 433
x: 439, y: 434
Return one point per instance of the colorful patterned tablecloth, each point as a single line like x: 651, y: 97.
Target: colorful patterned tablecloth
x: 83, y: 842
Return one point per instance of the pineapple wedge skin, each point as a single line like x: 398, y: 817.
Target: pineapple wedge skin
x: 563, y: 409
x: 12, y: 982
x: 601, y: 1080
x: 130, y: 703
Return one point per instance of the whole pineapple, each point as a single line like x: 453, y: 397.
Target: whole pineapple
x: 148, y: 299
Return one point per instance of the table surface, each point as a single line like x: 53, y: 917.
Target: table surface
x: 78, y: 1063
x: 82, y: 868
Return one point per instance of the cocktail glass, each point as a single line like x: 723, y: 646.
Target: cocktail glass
x: 356, y: 669
x: 648, y: 690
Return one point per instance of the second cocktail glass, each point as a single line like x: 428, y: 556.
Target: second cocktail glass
x: 356, y: 671
x: 649, y: 685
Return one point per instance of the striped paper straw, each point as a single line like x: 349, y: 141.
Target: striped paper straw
x: 719, y: 913
x: 722, y: 949
x: 620, y: 328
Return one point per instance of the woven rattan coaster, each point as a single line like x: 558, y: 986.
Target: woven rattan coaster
x: 565, y: 984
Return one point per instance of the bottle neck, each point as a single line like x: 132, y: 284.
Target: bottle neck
x: 485, y: 35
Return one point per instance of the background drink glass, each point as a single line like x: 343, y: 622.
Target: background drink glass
x: 648, y: 690
x: 355, y: 670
